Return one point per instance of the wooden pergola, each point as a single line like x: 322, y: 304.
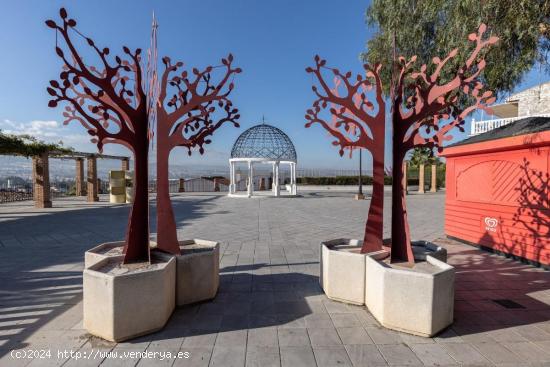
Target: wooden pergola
x: 41, y: 174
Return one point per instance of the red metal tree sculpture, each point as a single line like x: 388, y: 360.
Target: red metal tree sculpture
x: 424, y: 113
x: 110, y: 103
x: 356, y: 123
x: 187, y: 118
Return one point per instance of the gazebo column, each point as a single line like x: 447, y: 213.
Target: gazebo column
x: 273, y: 183
x: 41, y: 181
x: 293, y: 178
x: 250, y: 178
x: 232, y: 178
x: 80, y: 177
x: 181, y: 185
x: 277, y: 187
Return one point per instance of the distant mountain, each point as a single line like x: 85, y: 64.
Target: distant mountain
x: 64, y: 169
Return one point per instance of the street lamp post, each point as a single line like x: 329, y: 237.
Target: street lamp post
x: 360, y: 195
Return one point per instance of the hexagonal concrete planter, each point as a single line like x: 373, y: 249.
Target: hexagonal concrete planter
x: 103, y: 251
x: 418, y: 300
x: 125, y: 301
x: 421, y: 249
x: 198, y: 271
x: 342, y: 270
x: 106, y: 250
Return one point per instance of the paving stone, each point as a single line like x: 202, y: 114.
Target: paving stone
x: 432, y: 354
x: 228, y: 356
x: 506, y: 335
x: 415, y: 339
x: 234, y: 322
x: 336, y: 307
x: 235, y: 338
x: 199, y: 338
x: 354, y: 335
x: 318, y: 321
x: 497, y: 353
x: 532, y: 333
x: 365, y: 355
x: 331, y: 356
x: 365, y: 318
x: 286, y: 321
x: 262, y: 356
x: 293, y: 338
x: 399, y: 355
x: 345, y: 320
x: 297, y: 357
x: 207, y: 322
x: 263, y: 337
x: 157, y: 360
x: 324, y: 337
x: 383, y: 336
x: 529, y: 352
x: 448, y: 336
x: 465, y: 354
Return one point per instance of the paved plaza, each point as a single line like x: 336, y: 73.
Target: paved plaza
x: 270, y: 310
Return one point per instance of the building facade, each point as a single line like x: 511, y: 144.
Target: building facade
x: 530, y: 102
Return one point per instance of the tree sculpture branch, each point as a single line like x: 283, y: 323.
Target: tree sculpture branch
x: 355, y: 123
x: 194, y: 103
x: 353, y: 116
x: 191, y: 107
x: 430, y: 110
x: 425, y: 112
x: 97, y: 97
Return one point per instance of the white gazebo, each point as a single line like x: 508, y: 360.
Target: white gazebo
x: 263, y: 144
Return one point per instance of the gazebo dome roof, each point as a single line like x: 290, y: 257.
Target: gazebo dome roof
x: 264, y: 141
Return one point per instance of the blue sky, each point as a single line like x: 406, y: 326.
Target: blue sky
x: 273, y: 42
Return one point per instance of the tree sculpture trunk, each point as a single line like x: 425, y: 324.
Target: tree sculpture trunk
x: 401, y: 250
x: 374, y: 227
x: 353, y: 116
x: 136, y: 248
x: 167, y: 237
x: 197, y: 109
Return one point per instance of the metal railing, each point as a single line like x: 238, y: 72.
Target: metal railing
x: 480, y: 127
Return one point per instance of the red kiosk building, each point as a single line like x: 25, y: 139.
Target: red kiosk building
x: 498, y: 190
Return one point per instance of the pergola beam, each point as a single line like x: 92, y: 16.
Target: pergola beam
x: 76, y: 155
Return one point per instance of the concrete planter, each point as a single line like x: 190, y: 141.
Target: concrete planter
x: 106, y: 250
x: 125, y: 301
x: 342, y: 270
x: 103, y: 251
x: 421, y: 249
x: 198, y: 271
x: 418, y: 300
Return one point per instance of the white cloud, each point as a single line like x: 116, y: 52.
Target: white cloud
x: 46, y: 130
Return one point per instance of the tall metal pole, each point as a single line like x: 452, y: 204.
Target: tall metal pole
x: 360, y: 172
x: 359, y: 195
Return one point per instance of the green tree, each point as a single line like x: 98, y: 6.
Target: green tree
x: 423, y: 155
x: 429, y: 28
